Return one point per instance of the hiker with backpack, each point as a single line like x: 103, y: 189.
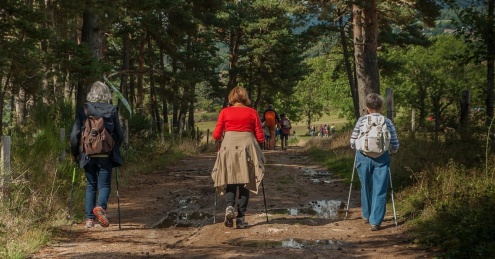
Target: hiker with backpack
x: 374, y: 137
x: 240, y: 163
x: 95, y: 140
x: 285, y: 127
x: 271, y: 120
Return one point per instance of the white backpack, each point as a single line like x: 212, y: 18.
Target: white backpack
x: 374, y: 137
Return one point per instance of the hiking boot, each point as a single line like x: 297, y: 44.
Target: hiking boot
x: 375, y: 227
x: 229, y: 217
x: 240, y: 223
x: 366, y: 221
x: 101, y: 216
x: 90, y: 223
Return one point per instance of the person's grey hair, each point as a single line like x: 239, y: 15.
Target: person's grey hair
x: 374, y: 101
x: 99, y: 93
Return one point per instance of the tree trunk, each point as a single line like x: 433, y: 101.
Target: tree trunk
x: 259, y: 97
x: 190, y: 118
x: 162, y: 95
x: 124, y: 78
x: 93, y: 36
x: 44, y: 48
x: 234, y: 44
x: 348, y: 65
x: 2, y: 96
x: 365, y: 46
x: 20, y: 106
x: 490, y: 68
x: 154, y: 102
x: 132, y: 90
x: 176, y: 97
x: 140, y: 87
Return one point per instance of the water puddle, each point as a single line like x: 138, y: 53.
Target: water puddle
x: 326, y: 209
x: 311, y: 172
x: 188, y: 214
x: 289, y: 243
x: 318, y: 176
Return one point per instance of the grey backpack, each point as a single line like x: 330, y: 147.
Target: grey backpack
x: 374, y: 137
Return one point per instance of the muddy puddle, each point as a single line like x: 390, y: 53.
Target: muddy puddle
x: 327, y: 209
x: 289, y: 243
x: 188, y: 214
x: 319, y: 176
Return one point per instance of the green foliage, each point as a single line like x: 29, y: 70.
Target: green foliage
x: 431, y: 79
x: 139, y: 124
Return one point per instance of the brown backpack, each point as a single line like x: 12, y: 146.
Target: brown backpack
x: 95, y: 138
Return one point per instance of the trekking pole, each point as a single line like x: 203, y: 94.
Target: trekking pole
x: 118, y: 195
x: 264, y: 199
x: 215, y: 209
x: 350, y: 188
x: 392, y: 192
x: 72, y: 189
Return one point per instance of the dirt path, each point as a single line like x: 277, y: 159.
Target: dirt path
x: 168, y: 214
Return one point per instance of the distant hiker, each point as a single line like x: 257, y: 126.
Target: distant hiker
x: 97, y: 166
x: 312, y: 130
x: 240, y: 163
x: 285, y: 127
x: 373, y: 168
x: 332, y: 129
x: 266, y: 133
x: 271, y: 119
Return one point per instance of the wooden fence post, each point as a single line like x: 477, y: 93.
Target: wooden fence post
x: 465, y: 101
x: 5, y: 157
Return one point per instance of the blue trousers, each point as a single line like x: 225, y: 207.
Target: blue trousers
x: 98, y: 181
x: 373, y: 174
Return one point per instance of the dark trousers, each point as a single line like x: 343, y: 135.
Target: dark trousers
x: 284, y: 140
x: 230, y: 197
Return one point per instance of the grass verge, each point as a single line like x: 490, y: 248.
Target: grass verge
x: 444, y: 188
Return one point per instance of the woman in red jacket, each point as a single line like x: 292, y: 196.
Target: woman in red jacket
x: 240, y: 162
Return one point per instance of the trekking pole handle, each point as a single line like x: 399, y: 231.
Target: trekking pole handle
x: 74, y: 175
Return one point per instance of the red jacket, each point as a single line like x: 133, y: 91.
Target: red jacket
x: 239, y: 118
